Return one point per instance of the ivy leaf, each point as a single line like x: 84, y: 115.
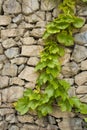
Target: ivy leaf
x: 65, y: 39
x: 61, y: 51
x: 62, y: 25
x: 49, y: 91
x: 84, y: 0
x: 46, y: 35
x: 85, y: 119
x: 54, y: 71
x: 75, y: 102
x: 64, y: 84
x: 40, y: 66
x: 83, y: 108
x: 78, y: 22
x: 22, y: 105
x: 45, y: 109
x: 33, y: 104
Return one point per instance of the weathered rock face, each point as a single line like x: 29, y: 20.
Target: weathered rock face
x: 22, y: 24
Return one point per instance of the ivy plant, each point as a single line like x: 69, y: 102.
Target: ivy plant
x: 50, y: 89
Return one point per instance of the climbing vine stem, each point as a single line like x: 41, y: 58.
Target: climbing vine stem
x: 50, y: 88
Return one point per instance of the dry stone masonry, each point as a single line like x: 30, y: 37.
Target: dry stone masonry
x: 22, y: 24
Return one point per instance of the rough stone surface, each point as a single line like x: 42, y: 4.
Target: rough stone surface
x: 31, y: 127
x: 84, y: 65
x: 79, y: 53
x: 5, y: 20
x: 28, y: 74
x: 12, y: 52
x: 19, y: 60
x: 11, y: 7
x: 81, y: 78
x: 1, y: 49
x: 33, y: 61
x: 14, y: 127
x: 16, y: 81
x: 12, y: 94
x: 4, y: 81
x: 28, y: 41
x: 8, y: 43
x: 47, y: 5
x: 70, y: 69
x: 26, y: 118
x: 81, y: 90
x: 9, y: 69
x: 31, y: 50
x: 6, y: 111
x: 11, y: 33
x: 38, y: 32
x: 11, y: 118
x: 29, y: 6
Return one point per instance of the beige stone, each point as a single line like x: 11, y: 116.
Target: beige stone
x: 84, y: 65
x: 29, y: 6
x: 25, y: 119
x: 5, y: 20
x: 6, y: 111
x: 28, y: 41
x: 9, y: 69
x: 71, y: 91
x: 19, y: 60
x: 58, y: 114
x: 7, y: 43
x: 0, y: 99
x: 12, y: 94
x: 30, y: 85
x: 31, y: 50
x: 4, y: 81
x: 1, y: 49
x: 38, y: 32
x: 81, y: 90
x: 11, y: 33
x: 33, y: 61
x: 81, y: 78
x: 16, y: 81
x: 65, y: 59
x: 28, y: 74
x: 84, y: 99
x: 11, y: 7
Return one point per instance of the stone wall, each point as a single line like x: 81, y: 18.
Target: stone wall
x: 22, y: 23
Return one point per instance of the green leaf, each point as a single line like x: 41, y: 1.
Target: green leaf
x: 46, y: 35
x: 64, y: 84
x: 65, y: 39
x: 75, y: 102
x: 61, y: 51
x: 33, y: 104
x: 85, y: 119
x: 54, y: 71
x: 22, y: 105
x: 49, y: 91
x: 45, y: 109
x: 78, y: 22
x: 40, y: 66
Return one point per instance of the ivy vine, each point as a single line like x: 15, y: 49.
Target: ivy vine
x: 50, y: 89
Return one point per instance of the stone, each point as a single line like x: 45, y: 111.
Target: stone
x: 41, y: 122
x: 12, y: 25
x: 83, y: 99
x: 30, y: 6
x: 84, y: 65
x: 19, y: 60
x: 33, y: 61
x: 81, y: 89
x: 6, y: 111
x: 79, y: 53
x: 81, y: 38
x: 70, y: 69
x: 36, y: 17
x: 69, y: 80
x: 70, y: 123
x: 25, y: 119
x: 81, y: 78
x: 48, y: 16
x: 3, y: 125
x: 16, y: 81
x: 28, y: 74
x: 11, y: 33
x: 9, y: 69
x: 48, y: 5
x: 11, y: 7
x: 56, y: 12
x: 5, y: 20
x: 1, y: 49
x: 12, y: 94
x: 11, y: 118
x: 4, y: 80
x: 58, y: 114
x: 1, y: 66
x: 1, y: 1
x: 17, y: 19
x: 14, y: 127
x: 30, y: 85
x: 65, y: 59
x: 0, y: 102
x: 2, y: 59
x: 26, y: 25
x: 38, y: 32
x: 30, y: 127
x: 51, y: 120
x: 8, y: 43
x: 12, y: 52
x: 52, y: 127
x: 72, y: 91
x: 83, y: 11
x: 20, y: 68
x: 28, y: 41
x: 33, y: 50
